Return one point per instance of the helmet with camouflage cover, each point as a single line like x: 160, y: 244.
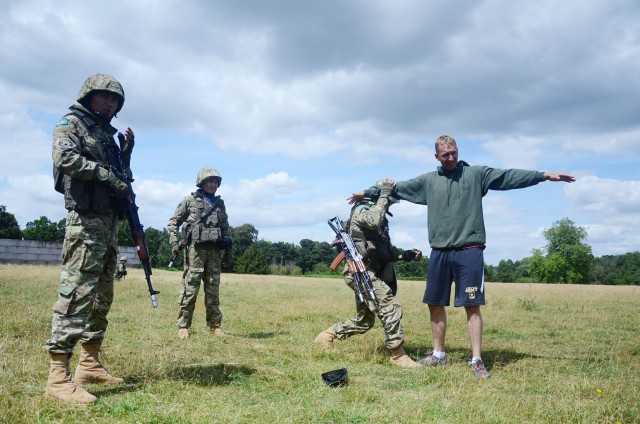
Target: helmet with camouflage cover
x: 101, y: 82
x: 205, y: 173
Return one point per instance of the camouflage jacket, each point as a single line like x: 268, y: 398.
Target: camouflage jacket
x: 369, y: 227
x: 79, y: 144
x: 198, y: 229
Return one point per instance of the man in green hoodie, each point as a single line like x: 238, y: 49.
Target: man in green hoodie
x: 457, y: 238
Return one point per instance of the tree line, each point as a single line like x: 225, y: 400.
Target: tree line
x: 566, y: 258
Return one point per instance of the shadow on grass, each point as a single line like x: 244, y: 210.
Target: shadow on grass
x: 211, y: 374
x: 259, y: 335
x: 100, y: 391
x: 463, y: 355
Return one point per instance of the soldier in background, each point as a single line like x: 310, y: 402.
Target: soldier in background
x: 205, y: 235
x: 121, y: 269
x: 81, y: 140
x: 369, y: 228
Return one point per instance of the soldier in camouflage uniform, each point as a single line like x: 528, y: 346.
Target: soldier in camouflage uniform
x: 89, y: 253
x: 121, y: 270
x: 205, y: 234
x: 369, y: 228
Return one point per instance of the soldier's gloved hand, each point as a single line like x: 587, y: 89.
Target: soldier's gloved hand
x: 117, y: 186
x: 127, y: 141
x: 385, y: 190
x: 412, y: 255
x: 227, y: 263
x: 175, y: 249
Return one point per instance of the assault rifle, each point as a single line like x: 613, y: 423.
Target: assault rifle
x: 128, y: 206
x: 349, y: 252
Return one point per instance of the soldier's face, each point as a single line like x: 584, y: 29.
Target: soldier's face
x: 447, y: 156
x: 104, y: 102
x: 211, y: 185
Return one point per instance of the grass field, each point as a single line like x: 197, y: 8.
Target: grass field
x: 557, y: 354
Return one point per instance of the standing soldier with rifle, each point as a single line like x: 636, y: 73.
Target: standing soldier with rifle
x: 368, y: 227
x: 92, y: 192
x: 205, y: 235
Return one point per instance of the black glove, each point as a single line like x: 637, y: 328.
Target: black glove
x: 126, y: 147
x: 116, y: 185
x: 412, y: 255
x: 225, y: 243
x: 227, y: 262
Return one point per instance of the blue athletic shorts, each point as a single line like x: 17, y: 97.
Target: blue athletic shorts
x: 465, y: 266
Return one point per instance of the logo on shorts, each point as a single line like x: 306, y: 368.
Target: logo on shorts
x: 471, y: 291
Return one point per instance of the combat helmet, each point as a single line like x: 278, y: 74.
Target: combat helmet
x: 123, y: 259
x: 205, y: 173
x: 101, y: 82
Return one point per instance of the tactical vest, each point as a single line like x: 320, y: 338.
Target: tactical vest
x: 206, y: 228
x: 374, y: 245
x: 85, y: 196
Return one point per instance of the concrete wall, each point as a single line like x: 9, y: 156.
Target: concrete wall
x: 47, y: 253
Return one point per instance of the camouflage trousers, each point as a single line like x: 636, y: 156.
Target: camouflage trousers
x: 386, y: 308
x: 89, y: 255
x: 202, y: 264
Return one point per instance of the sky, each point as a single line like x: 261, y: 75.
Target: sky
x: 298, y: 104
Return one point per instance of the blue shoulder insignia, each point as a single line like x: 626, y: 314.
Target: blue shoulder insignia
x: 64, y: 121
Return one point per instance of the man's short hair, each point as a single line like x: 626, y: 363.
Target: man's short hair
x: 445, y: 141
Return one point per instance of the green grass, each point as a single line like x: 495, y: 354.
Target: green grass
x: 556, y: 353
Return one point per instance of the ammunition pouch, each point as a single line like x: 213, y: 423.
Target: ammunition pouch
x: 200, y: 235
x: 84, y: 196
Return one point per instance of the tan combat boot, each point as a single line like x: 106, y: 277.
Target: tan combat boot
x: 90, y: 370
x: 325, y: 339
x: 217, y: 331
x: 401, y: 359
x: 61, y: 386
x: 183, y: 333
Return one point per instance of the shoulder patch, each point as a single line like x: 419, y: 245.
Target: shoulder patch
x: 63, y: 121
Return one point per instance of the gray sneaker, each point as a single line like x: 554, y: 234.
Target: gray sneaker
x: 432, y: 360
x: 479, y: 370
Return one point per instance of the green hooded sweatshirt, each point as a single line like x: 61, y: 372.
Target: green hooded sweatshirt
x: 455, y: 217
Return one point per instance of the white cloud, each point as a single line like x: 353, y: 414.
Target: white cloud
x: 298, y: 101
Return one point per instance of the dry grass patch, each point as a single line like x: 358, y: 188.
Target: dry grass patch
x: 556, y: 354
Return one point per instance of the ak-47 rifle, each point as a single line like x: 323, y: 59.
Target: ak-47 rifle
x: 128, y: 206
x: 349, y: 252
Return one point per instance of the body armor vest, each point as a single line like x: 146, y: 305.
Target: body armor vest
x: 206, y: 228
x: 374, y: 245
x: 86, y: 196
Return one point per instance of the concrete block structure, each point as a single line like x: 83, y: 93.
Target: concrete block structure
x: 48, y: 253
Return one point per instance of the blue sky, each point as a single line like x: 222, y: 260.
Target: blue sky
x: 298, y: 104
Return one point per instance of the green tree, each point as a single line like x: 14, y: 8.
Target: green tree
x: 412, y: 269
x: 44, y: 230
x: 243, y: 237
x: 313, y: 253
x: 505, y: 271
x: 159, y: 247
x: 9, y: 228
x: 253, y: 261
x: 568, y: 259
x: 618, y: 269
x: 124, y: 234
